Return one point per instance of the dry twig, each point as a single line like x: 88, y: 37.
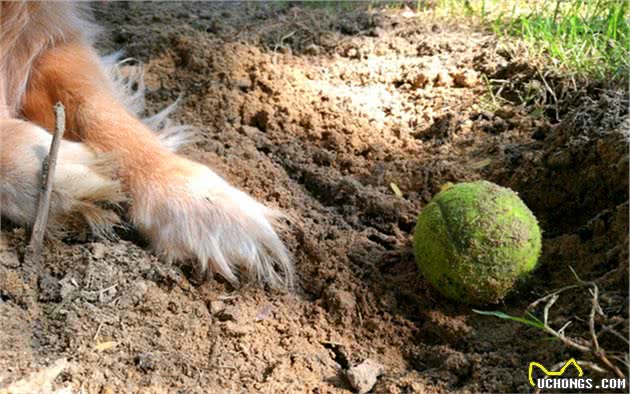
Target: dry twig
x: 34, y: 248
x: 592, y: 348
x: 596, y: 309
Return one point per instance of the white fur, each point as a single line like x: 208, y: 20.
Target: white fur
x: 81, y: 179
x: 210, y: 221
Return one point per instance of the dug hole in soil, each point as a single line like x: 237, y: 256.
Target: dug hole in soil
x: 318, y: 112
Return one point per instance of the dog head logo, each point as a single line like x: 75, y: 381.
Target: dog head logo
x: 546, y: 372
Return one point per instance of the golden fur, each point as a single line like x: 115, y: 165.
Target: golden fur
x: 182, y: 207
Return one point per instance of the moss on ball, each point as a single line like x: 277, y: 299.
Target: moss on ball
x: 473, y: 241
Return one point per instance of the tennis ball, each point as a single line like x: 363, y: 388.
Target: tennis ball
x: 473, y: 241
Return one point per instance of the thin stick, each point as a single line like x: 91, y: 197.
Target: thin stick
x: 34, y: 249
x: 591, y: 347
x: 98, y: 331
x: 596, y: 309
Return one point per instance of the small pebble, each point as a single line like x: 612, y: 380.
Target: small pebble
x: 363, y: 377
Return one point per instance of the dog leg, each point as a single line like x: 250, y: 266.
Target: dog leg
x: 81, y: 179
x: 184, y: 208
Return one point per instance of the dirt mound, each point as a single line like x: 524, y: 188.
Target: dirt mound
x: 319, y: 113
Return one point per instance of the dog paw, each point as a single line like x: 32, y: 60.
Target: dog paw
x: 190, y: 213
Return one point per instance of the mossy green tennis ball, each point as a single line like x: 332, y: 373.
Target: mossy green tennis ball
x: 473, y: 241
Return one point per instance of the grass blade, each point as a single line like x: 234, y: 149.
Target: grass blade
x: 502, y: 315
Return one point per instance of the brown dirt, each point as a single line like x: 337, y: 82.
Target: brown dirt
x: 317, y: 112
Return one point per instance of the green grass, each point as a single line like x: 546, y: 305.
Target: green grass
x: 529, y: 320
x: 585, y: 38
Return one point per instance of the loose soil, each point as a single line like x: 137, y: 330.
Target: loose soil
x: 319, y: 112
